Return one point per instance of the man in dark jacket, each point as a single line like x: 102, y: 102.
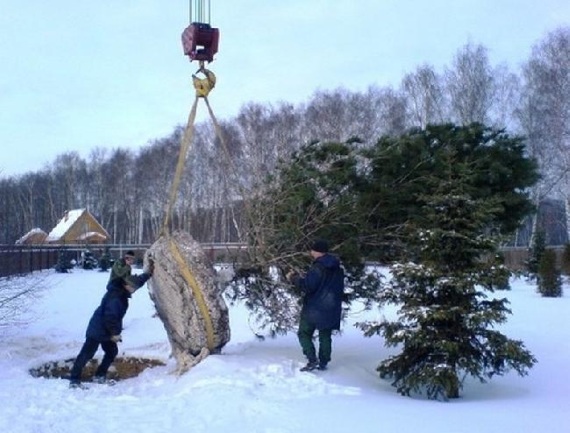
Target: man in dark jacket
x: 106, y: 325
x: 322, y: 288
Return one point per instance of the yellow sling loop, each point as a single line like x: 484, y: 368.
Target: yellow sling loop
x: 203, y: 87
x: 198, y: 295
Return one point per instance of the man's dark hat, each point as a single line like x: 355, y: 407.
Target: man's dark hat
x: 129, y: 253
x: 320, y: 246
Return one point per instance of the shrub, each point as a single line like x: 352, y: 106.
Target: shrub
x: 536, y: 251
x: 549, y: 282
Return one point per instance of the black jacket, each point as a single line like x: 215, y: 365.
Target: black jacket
x: 107, y: 320
x: 323, y: 288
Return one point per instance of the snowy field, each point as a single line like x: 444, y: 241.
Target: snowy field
x: 255, y: 386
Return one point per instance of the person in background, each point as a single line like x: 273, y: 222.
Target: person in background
x: 106, y: 324
x: 122, y: 268
x: 322, y: 289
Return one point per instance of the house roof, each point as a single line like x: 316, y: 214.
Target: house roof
x: 64, y: 224
x: 35, y: 233
x: 77, y: 225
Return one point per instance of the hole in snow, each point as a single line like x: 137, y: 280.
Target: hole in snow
x: 122, y: 368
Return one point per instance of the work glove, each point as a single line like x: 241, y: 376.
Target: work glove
x: 116, y: 338
x: 290, y: 275
x: 149, y: 267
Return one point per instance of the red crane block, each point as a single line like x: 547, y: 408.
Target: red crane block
x: 200, y: 42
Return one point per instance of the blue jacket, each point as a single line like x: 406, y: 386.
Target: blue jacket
x: 323, y: 288
x: 107, y: 320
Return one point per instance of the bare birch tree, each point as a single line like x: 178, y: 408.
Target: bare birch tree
x: 544, y: 113
x: 425, y: 98
x: 470, y: 85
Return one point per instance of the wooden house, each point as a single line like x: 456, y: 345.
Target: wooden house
x: 78, y: 227
x: 33, y: 237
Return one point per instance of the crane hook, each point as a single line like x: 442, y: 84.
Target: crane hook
x: 203, y: 86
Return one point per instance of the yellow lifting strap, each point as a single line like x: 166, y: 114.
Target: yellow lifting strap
x: 203, y: 86
x: 184, y: 146
x: 198, y: 295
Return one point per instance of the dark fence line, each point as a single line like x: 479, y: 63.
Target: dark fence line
x: 517, y: 257
x: 24, y: 259
x: 15, y: 261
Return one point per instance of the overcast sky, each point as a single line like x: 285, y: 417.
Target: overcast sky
x: 77, y: 75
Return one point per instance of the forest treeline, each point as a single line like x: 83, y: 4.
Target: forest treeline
x: 127, y: 191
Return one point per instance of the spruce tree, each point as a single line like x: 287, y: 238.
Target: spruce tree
x: 105, y: 261
x: 446, y: 317
x: 537, y: 249
x: 549, y: 281
x: 63, y: 264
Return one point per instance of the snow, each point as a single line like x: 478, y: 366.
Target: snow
x: 88, y: 235
x: 255, y: 386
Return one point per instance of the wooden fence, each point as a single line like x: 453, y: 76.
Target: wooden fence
x: 516, y: 257
x: 15, y: 260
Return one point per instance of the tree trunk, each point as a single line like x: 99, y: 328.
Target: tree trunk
x: 534, y: 225
x: 140, y: 226
x: 567, y: 209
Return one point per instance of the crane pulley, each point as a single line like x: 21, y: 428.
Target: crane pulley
x: 200, y: 40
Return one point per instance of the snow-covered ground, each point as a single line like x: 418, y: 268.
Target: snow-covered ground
x: 256, y: 387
